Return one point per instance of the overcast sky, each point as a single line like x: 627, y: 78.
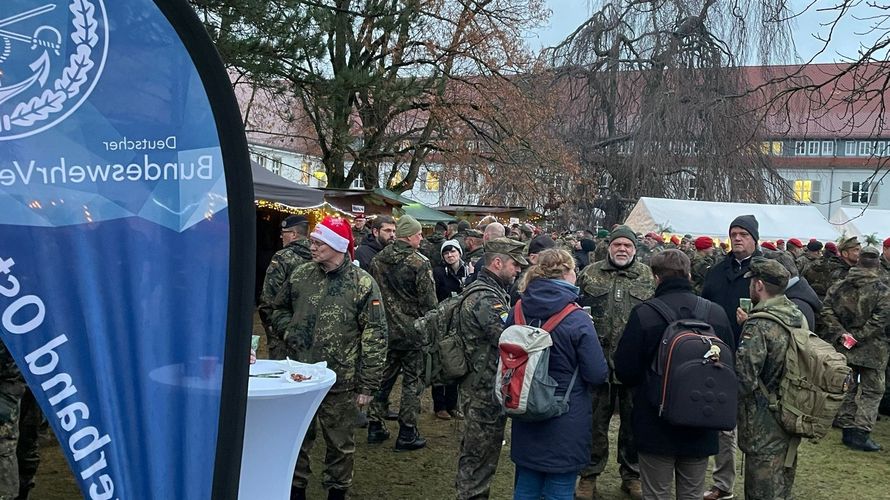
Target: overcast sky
x: 850, y: 33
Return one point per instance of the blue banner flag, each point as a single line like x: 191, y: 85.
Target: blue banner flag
x: 126, y: 243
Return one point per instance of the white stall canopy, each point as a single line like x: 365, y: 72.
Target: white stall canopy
x: 856, y: 222
x: 708, y: 218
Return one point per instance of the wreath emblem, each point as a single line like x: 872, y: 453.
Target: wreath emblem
x: 72, y: 87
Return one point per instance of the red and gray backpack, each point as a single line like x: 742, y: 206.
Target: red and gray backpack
x: 523, y: 385
x: 693, y: 374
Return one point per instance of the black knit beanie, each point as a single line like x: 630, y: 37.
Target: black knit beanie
x: 748, y: 223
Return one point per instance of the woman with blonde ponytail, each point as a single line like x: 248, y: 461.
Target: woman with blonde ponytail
x: 549, y: 454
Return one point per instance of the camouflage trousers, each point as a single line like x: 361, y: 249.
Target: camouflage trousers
x: 335, y: 419
x: 410, y: 364
x: 860, y: 407
x: 480, y: 446
x: 28, y: 451
x: 10, y: 401
x: 605, y: 398
x: 767, y: 478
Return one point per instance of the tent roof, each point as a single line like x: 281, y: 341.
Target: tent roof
x: 855, y: 222
x: 419, y: 211
x: 707, y: 218
x: 273, y: 187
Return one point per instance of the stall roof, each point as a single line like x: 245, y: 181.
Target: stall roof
x: 856, y: 222
x: 421, y: 212
x: 272, y: 187
x: 707, y: 218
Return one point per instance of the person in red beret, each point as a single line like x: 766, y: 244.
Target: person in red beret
x: 701, y: 262
x: 780, y: 244
x: 769, y: 245
x: 794, y: 247
x: 831, y: 248
x: 675, y: 240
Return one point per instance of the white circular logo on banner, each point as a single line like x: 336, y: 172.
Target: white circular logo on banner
x: 51, y: 57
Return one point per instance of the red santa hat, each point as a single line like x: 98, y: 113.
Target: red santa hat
x: 335, y: 233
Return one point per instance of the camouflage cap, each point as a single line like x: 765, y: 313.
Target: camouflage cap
x: 768, y: 270
x: 506, y: 246
x: 870, y: 251
x: 851, y: 242
x: 473, y: 233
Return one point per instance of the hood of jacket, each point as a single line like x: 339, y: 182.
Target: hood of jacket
x: 396, y: 253
x: 782, y: 309
x: 545, y: 297
x: 863, y: 276
x: 803, y: 291
x: 436, y: 238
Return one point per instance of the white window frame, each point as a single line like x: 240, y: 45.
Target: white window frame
x: 813, y: 148
x: 800, y: 148
x: 864, y: 148
x: 827, y: 148
x: 859, y: 193
x: 880, y: 148
x: 850, y: 148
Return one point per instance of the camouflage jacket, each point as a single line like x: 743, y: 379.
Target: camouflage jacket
x: 761, y: 358
x: 859, y: 305
x: 337, y: 317
x: 476, y: 254
x: 12, y: 386
x: 409, y: 291
x: 431, y: 248
x: 611, y: 293
x: 482, y: 317
x: 885, y: 266
x: 819, y: 273
x: 699, y: 269
x: 804, y: 262
x: 283, y: 262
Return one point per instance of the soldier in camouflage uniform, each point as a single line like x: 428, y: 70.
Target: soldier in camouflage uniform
x: 819, y: 273
x: 808, y: 258
x: 409, y: 291
x: 849, y: 256
x: 602, y: 246
x: 859, y: 306
x: 702, y: 262
x: 431, y: 246
x: 761, y: 359
x: 612, y: 287
x: 360, y: 230
x: 294, y: 230
x: 885, y: 258
x: 331, y: 310
x: 12, y: 386
x: 482, y: 316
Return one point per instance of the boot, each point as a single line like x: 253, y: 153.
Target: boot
x: 377, y: 433
x: 409, y: 439
x: 586, y: 489
x: 862, y: 441
x: 392, y: 416
x: 633, y: 487
x: 847, y: 437
x: 297, y: 493
x: 335, y: 494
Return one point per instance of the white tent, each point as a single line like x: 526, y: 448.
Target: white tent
x: 707, y: 218
x: 855, y: 222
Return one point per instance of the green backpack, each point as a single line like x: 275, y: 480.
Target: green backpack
x: 445, y: 351
x: 813, y: 386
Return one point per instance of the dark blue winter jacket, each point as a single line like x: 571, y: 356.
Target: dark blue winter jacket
x: 561, y: 444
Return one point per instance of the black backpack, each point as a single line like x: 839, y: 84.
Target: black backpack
x: 692, y: 378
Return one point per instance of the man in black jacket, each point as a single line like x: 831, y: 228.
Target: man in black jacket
x: 383, y: 233
x: 666, y: 451
x: 724, y: 285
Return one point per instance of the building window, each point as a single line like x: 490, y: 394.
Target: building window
x: 813, y: 148
x: 777, y: 148
x: 305, y: 170
x: 856, y: 193
x: 827, y: 148
x: 276, y: 165
x: 800, y: 148
x: 803, y: 190
x: 358, y: 183
x: 865, y: 148
x: 432, y: 182
x: 850, y: 148
x: 396, y: 179
x: 880, y: 148
x: 692, y: 188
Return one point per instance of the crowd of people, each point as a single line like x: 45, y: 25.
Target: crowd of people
x: 350, y: 296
